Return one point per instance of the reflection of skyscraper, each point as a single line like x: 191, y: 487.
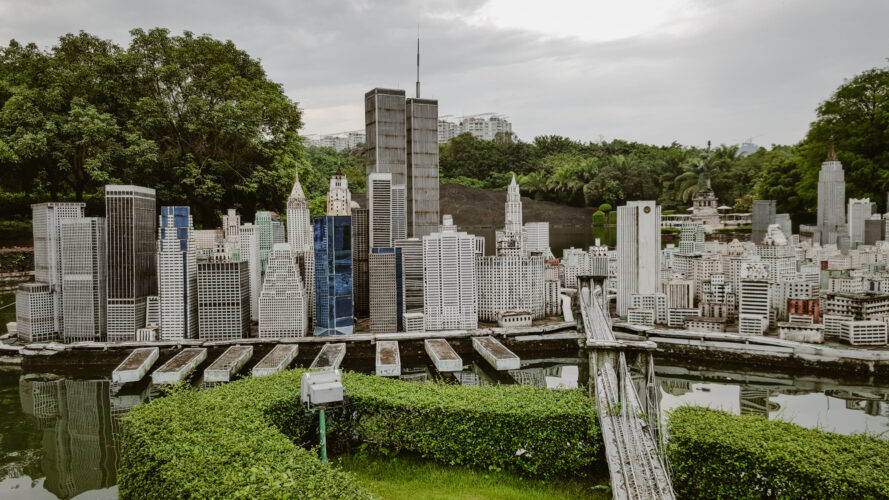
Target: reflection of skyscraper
x: 754, y: 402
x: 78, y: 448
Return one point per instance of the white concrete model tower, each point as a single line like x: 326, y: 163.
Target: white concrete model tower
x: 46, y: 218
x: 339, y: 199
x: 177, y: 274
x: 638, y: 251
x: 379, y: 204
x: 513, y: 207
x: 831, y: 198
x: 249, y: 236
x: 300, y: 236
x: 449, y: 284
x: 282, y: 302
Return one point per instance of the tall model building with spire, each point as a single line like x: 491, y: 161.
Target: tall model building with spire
x: 511, y: 240
x: 299, y: 235
x: 402, y: 139
x: 831, y: 199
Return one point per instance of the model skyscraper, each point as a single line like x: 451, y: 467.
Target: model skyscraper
x: 131, y: 214
x: 177, y: 274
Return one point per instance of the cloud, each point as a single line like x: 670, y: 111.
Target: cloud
x: 688, y: 70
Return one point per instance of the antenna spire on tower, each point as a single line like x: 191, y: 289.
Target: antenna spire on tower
x: 418, y: 61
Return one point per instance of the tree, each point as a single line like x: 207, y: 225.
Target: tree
x: 857, y: 116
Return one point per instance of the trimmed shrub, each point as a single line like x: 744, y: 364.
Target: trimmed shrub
x: 227, y: 442
x: 612, y: 217
x: 534, y: 432
x: 718, y: 455
x: 244, y: 439
x: 598, y: 218
x: 605, y: 207
x: 668, y: 212
x: 670, y: 230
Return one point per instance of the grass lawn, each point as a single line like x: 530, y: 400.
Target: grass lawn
x: 409, y: 478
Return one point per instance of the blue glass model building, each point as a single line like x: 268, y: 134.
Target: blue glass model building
x: 333, y: 275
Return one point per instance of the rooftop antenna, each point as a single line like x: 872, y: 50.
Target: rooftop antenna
x: 418, y: 60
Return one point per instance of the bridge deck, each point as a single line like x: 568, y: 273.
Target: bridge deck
x: 634, y: 462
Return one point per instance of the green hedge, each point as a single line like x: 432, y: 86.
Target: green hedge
x: 598, y: 218
x: 718, y: 455
x: 244, y: 439
x: 534, y: 432
x: 17, y: 206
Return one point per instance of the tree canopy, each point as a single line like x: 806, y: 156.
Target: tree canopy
x: 192, y: 116
x: 199, y: 120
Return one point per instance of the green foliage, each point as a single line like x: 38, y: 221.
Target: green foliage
x: 241, y: 440
x: 233, y: 441
x: 670, y: 230
x: 192, y: 116
x: 605, y: 207
x: 409, y: 478
x: 463, y: 181
x: 16, y: 262
x: 612, y: 217
x: 598, y: 218
x: 668, y: 212
x: 718, y: 455
x: 534, y: 432
x: 732, y: 230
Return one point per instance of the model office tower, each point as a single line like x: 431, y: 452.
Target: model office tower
x: 421, y: 127
x: 231, y: 231
x: 131, y: 216
x: 763, y: 217
x: 449, y: 285
x: 282, y: 302
x: 412, y: 260
x: 379, y: 204
x: 47, y: 219
x: 859, y: 211
x: 537, y: 234
x: 333, y: 262
x: 83, y: 278
x: 249, y: 243
x: 177, y: 274
x: 299, y: 235
x: 402, y: 139
x: 511, y: 240
x: 267, y: 229
x: 386, y: 290
x: 223, y: 299
x: 831, y: 199
x: 360, y: 265
x: 638, y: 251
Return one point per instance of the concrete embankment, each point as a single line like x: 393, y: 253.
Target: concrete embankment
x: 761, y: 352
x: 361, y: 348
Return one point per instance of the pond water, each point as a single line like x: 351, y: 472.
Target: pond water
x: 58, y: 434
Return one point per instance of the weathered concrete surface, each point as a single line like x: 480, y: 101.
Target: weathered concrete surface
x: 278, y: 359
x: 136, y: 365
x: 496, y: 353
x: 330, y: 357
x: 388, y: 359
x: 232, y: 360
x: 180, y: 366
x: 443, y: 355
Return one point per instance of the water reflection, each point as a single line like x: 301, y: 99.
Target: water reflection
x: 78, y: 450
x: 59, y: 436
x: 815, y: 403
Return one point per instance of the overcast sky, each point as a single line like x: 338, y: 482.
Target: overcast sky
x: 653, y: 71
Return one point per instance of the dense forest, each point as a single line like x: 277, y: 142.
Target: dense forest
x: 198, y: 119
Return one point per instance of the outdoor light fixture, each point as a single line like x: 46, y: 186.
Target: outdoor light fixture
x: 321, y: 391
